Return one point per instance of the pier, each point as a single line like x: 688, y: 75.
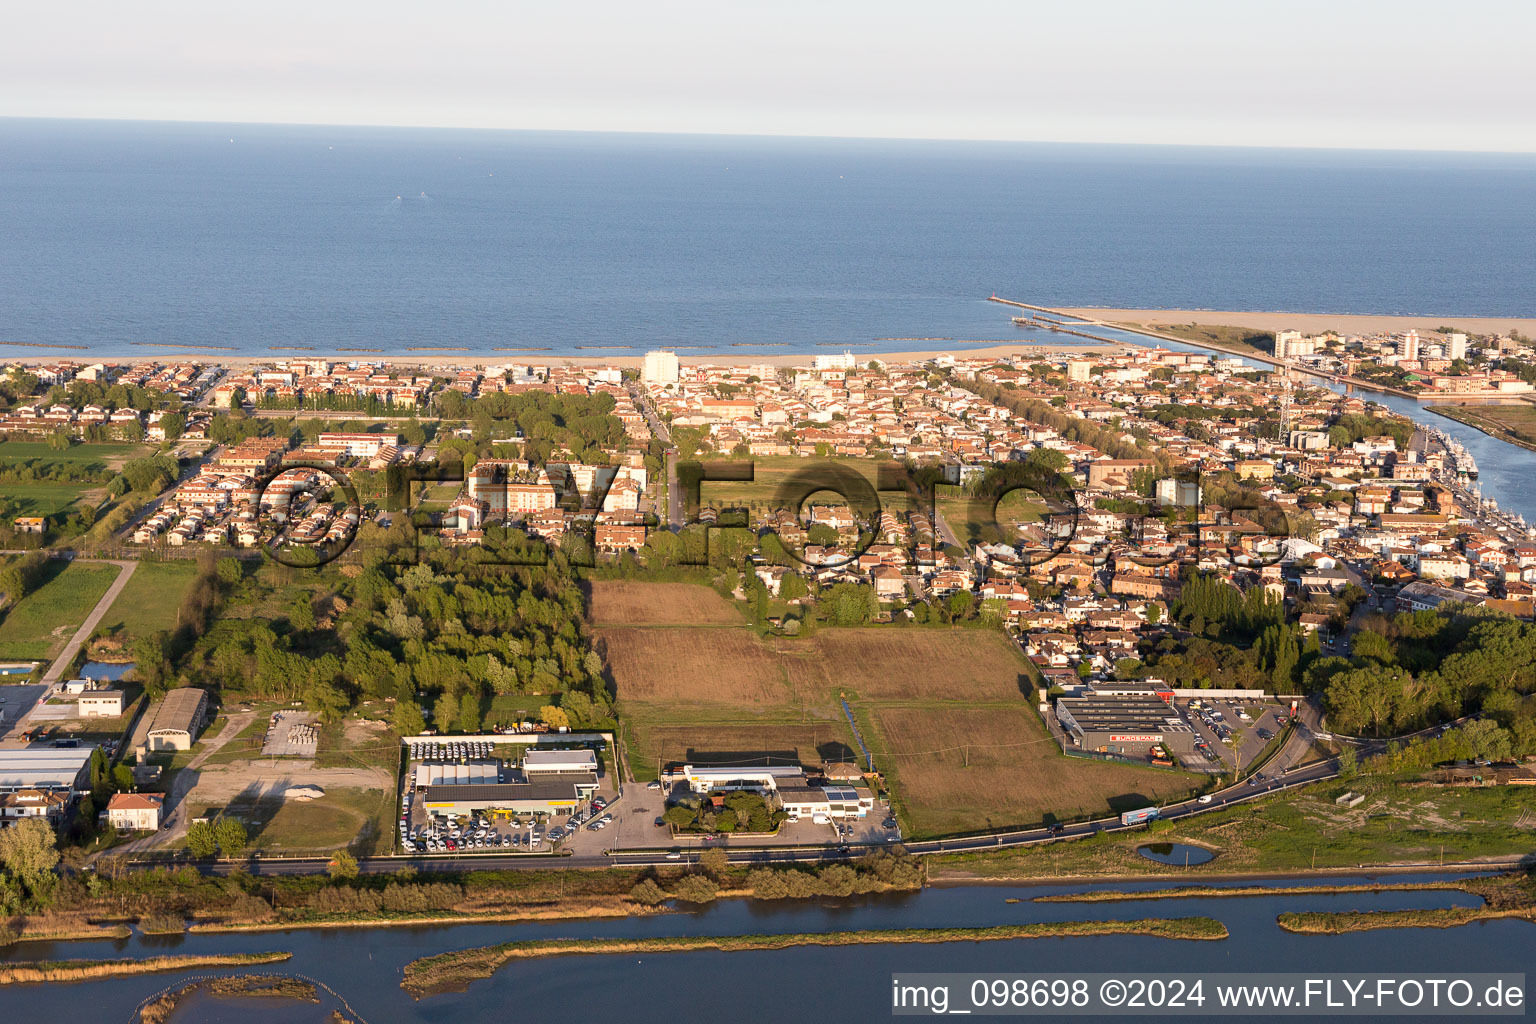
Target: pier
x: 1260, y: 357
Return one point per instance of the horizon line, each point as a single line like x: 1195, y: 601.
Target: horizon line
x: 969, y: 140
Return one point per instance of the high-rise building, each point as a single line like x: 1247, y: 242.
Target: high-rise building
x: 660, y: 368
x: 829, y: 362
x: 1456, y: 346
x: 1408, y: 348
x: 1285, y: 344
x: 1080, y: 369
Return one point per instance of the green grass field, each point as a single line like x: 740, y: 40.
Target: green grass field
x: 40, y: 625
x: 150, y: 599
x: 107, y: 454
x: 1302, y: 830
x: 772, y: 471
x: 44, y: 499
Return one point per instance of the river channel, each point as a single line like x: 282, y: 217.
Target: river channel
x: 796, y: 985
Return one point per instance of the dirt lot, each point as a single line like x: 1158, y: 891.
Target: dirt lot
x: 709, y: 665
x: 906, y: 664
x: 356, y: 808
x: 960, y: 769
x: 620, y: 603
x: 732, y: 666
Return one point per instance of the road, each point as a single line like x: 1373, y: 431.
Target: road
x: 1278, y: 775
x: 62, y: 662
x: 674, y: 518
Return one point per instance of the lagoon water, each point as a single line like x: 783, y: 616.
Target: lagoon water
x: 792, y: 985
x: 133, y: 238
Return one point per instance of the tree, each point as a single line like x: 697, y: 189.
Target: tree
x: 229, y: 571
x: 29, y: 850
x: 201, y: 839
x: 343, y: 866
x: 407, y: 718
x: 122, y: 778
x: 696, y: 889
x: 469, y: 712
x: 173, y: 423
x: 231, y: 836
x: 792, y: 587
x: 301, y: 614
x: 555, y: 718
x: 714, y: 862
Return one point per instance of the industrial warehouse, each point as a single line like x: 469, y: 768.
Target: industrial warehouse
x: 547, y: 782
x: 1126, y: 724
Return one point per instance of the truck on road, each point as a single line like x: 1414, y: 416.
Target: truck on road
x: 1139, y: 817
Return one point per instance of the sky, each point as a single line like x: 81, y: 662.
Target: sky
x: 1385, y: 74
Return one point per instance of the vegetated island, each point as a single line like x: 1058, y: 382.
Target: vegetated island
x: 448, y: 972
x: 1195, y: 891
x: 239, y: 986
x: 1504, y: 896
x: 34, y: 971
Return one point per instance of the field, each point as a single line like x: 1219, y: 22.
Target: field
x: 971, y: 524
x: 770, y: 472
x: 1220, y: 336
x: 150, y: 599
x: 946, y: 713
x: 44, y: 620
x: 1300, y: 831
x: 106, y: 455
x: 44, y: 499
x: 341, y: 817
x: 618, y: 603
x: 959, y: 769
x: 1516, y: 423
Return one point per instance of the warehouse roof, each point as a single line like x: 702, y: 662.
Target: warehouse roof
x: 1128, y: 713
x: 42, y: 768
x: 178, y: 710
x: 564, y: 788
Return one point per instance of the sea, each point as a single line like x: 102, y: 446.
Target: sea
x: 133, y: 239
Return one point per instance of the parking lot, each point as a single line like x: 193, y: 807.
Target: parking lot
x: 497, y: 830
x: 1227, y: 733
x: 16, y: 700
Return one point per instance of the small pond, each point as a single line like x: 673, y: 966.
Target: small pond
x: 1178, y: 854
x: 113, y: 670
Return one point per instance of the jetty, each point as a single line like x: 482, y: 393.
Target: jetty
x: 1067, y: 323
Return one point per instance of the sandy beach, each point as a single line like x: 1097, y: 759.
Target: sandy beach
x: 1307, y: 323
x: 452, y: 360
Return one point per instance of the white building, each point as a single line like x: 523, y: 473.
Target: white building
x: 1456, y: 346
x: 842, y: 362
x: 660, y: 368
x: 100, y: 704
x: 555, y: 762
x: 135, y: 812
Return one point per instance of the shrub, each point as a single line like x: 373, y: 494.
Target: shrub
x: 696, y: 889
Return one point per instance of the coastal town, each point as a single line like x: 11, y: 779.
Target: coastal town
x: 1191, y: 560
